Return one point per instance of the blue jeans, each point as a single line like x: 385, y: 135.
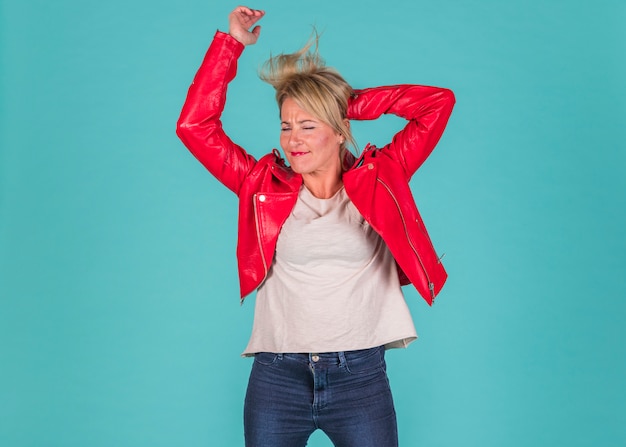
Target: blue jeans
x: 344, y: 394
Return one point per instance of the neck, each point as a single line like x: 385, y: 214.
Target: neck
x: 322, y: 187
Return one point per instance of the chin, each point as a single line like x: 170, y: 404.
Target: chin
x: 299, y: 169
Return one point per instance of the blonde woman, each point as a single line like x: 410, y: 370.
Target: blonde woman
x: 325, y: 238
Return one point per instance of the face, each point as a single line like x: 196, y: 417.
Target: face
x: 310, y: 145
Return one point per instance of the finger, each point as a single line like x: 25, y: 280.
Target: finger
x: 255, y: 14
x: 253, y: 18
x: 243, y: 9
x: 249, y: 11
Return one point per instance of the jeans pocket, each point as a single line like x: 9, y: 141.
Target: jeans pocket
x: 265, y: 358
x: 365, y: 361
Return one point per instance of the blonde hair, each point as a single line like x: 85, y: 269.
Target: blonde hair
x: 320, y: 90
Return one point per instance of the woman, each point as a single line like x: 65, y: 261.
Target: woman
x: 325, y: 238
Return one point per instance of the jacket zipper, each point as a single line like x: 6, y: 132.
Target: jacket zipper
x: 431, y: 286
x: 258, y: 239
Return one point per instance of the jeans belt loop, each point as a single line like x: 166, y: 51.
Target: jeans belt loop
x: 342, y: 358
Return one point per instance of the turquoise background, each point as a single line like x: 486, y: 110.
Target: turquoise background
x: 120, y: 322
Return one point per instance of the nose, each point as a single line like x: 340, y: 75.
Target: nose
x: 294, y: 138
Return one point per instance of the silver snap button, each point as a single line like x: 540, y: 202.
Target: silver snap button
x: 315, y: 357
x: 262, y: 198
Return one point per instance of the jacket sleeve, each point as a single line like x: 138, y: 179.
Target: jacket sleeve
x: 199, y: 126
x: 426, y: 108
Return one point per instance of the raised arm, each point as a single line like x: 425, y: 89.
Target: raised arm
x: 426, y: 108
x: 199, y: 126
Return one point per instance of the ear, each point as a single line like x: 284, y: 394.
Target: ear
x: 342, y: 138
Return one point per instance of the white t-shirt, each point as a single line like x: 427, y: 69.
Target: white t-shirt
x: 333, y: 285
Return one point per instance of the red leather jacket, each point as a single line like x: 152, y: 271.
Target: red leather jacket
x: 377, y: 182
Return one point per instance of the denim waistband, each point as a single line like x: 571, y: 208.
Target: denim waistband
x: 330, y: 357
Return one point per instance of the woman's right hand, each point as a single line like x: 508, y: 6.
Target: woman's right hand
x: 240, y: 21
